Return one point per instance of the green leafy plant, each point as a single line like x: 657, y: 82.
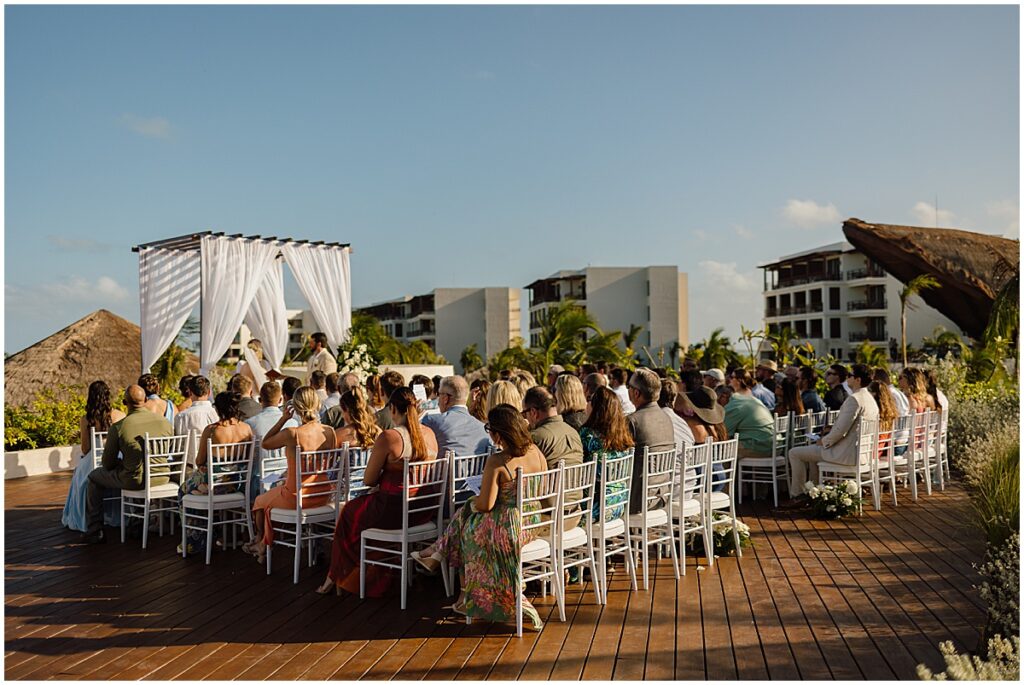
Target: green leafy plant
x: 1001, y: 588
x: 46, y: 422
x: 833, y: 501
x: 915, y: 286
x: 470, y: 359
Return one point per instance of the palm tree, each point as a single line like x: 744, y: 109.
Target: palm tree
x: 717, y: 350
x: 782, y: 344
x: 943, y: 342
x: 470, y: 359
x: 871, y: 355
x: 748, y: 336
x: 563, y: 333
x: 916, y: 285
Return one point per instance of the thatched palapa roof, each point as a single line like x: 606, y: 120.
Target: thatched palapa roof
x: 101, y: 346
x: 971, y: 267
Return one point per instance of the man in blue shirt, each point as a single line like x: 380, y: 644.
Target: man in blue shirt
x: 454, y: 427
x: 765, y: 370
x: 270, y: 400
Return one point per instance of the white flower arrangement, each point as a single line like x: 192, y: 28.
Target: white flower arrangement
x: 356, y: 359
x: 833, y: 501
x: 721, y: 532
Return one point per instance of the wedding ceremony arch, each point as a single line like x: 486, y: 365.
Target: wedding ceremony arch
x: 238, y: 279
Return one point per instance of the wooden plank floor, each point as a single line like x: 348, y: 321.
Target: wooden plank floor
x: 860, y: 598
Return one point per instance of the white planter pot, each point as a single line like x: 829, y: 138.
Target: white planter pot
x: 41, y: 461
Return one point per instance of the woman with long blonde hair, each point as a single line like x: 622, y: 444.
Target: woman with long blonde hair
x: 360, y: 429
x: 570, y: 402
x: 915, y: 387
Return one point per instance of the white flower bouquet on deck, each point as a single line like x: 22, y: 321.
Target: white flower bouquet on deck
x: 721, y: 532
x: 833, y: 501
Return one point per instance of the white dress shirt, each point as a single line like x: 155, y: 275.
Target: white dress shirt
x: 195, y: 419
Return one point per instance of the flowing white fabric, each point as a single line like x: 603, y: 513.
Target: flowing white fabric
x: 322, y: 274
x: 168, y: 290
x: 258, y: 374
x: 267, y: 317
x: 232, y: 270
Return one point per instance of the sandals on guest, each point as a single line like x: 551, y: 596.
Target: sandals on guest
x: 329, y: 585
x: 424, y: 566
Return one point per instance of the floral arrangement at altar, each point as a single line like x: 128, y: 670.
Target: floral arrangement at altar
x: 356, y: 359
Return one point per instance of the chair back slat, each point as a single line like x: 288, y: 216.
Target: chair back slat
x: 695, y: 469
x: 97, y: 439
x: 541, y: 489
x: 352, y: 486
x: 867, y: 440
x: 165, y: 457
x: 464, y: 471
x: 833, y: 414
x: 616, y: 475
x: 270, y: 461
x: 317, y: 475
x: 658, y: 476
x: 228, y: 464
x: 781, y: 435
x: 426, y: 487
x: 801, y: 428
x: 578, y: 479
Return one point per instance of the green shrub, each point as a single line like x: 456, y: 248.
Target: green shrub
x: 994, y: 479
x: 46, y: 422
x: 1001, y: 587
x: 977, y: 412
x: 1003, y: 663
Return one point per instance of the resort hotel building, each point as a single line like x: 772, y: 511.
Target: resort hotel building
x: 834, y: 297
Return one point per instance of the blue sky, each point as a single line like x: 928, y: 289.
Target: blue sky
x: 487, y: 146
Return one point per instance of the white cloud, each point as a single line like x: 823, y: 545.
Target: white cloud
x: 1008, y: 210
x: 809, y: 214
x: 726, y: 276
x: 65, y: 244
x: 743, y: 231
x: 150, y: 127
x: 104, y: 290
x: 699, y: 234
x: 924, y: 215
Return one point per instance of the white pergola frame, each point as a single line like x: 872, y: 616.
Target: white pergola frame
x: 176, y: 268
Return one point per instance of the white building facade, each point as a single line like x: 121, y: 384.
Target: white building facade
x: 655, y: 297
x: 834, y: 297
x: 451, y: 319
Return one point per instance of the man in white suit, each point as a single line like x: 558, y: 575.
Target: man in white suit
x: 839, y: 445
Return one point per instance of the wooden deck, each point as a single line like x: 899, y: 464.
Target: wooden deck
x: 866, y: 598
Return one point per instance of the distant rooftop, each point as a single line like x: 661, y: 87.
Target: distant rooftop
x: 831, y: 248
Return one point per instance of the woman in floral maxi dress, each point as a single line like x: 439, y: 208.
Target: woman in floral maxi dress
x: 484, y: 537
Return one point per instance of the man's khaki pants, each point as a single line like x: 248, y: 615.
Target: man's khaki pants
x: 803, y: 467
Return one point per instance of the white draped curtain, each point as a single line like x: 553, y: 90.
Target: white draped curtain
x: 267, y: 317
x: 233, y: 269
x: 168, y: 291
x: 322, y: 274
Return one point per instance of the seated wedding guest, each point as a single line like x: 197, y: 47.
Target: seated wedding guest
x: 389, y: 382
x: 787, y: 398
x: 505, y: 375
x: 382, y: 507
x: 332, y: 384
x: 649, y: 427
x: 374, y: 394
x: 197, y: 417
x: 606, y: 434
x: 792, y: 372
x: 746, y: 415
x: 593, y: 381
x: 332, y: 416
x: 523, y: 381
x: 484, y: 537
x: 554, y: 371
x: 570, y: 402
x: 586, y: 369
x: 913, y: 384
x: 99, y: 414
x: 899, y: 400
x: 724, y: 393
x: 318, y: 381
x: 154, y: 402
x: 436, y: 380
x: 242, y: 385
x: 228, y: 429
x: 714, y: 378
x: 309, y: 436
x: 186, y: 393
x: 886, y: 409
x: 705, y: 417
x: 429, y: 404
x: 690, y: 364
x: 270, y: 401
x: 504, y: 392
x: 667, y: 402
x: 478, y: 391
x: 617, y: 382
x: 359, y: 426
x: 808, y: 384
x: 254, y: 366
x: 127, y: 438
x: 835, y: 377
x: 763, y: 388
x: 556, y: 439
x: 839, y: 445
x: 289, y: 385
x: 690, y: 380
x: 938, y: 397
x: 454, y: 427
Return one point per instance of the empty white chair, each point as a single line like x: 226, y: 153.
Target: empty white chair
x: 864, y: 472
x: 423, y: 497
x: 771, y: 469
x: 575, y: 544
x: 610, y: 534
x: 724, y: 455
x: 315, y: 512
x: 163, y: 457
x: 689, y: 511
x: 228, y: 467
x: 652, y: 525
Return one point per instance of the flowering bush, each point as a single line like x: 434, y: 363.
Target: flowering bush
x: 721, y: 533
x: 1003, y: 662
x: 356, y: 359
x: 833, y: 501
x: 1001, y: 587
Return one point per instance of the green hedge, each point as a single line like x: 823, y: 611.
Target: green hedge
x: 48, y: 421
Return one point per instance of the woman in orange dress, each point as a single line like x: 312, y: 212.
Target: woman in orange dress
x: 309, y: 436
x: 382, y: 506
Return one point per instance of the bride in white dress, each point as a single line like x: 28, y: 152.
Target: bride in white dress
x: 98, y: 415
x: 255, y: 366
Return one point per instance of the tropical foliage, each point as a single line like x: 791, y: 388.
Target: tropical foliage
x: 470, y: 359
x: 916, y: 285
x: 383, y: 348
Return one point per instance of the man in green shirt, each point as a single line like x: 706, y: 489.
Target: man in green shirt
x: 127, y: 437
x: 556, y: 439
